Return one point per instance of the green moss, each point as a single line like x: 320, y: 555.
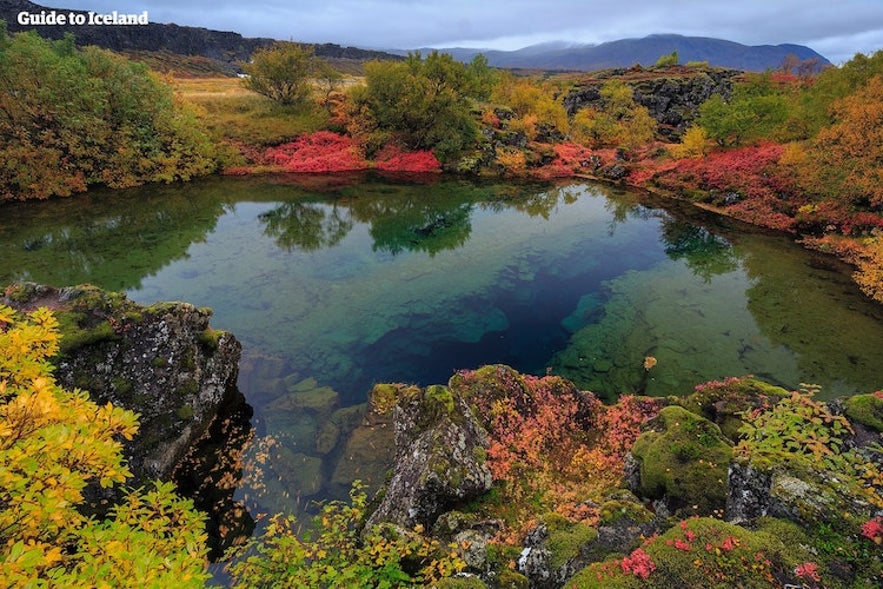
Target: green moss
x: 121, y: 385
x: 614, y: 510
x: 565, y: 542
x: 440, y: 399
x: 500, y: 555
x: 866, y: 410
x: 76, y: 332
x: 209, y: 339
x: 160, y: 362
x: 188, y: 387
x: 700, y: 552
x: 684, y: 458
x: 460, y: 583
x: 509, y: 579
x: 185, y: 412
x: 479, y: 454
x: 383, y: 397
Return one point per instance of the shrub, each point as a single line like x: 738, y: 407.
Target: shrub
x: 281, y: 72
x: 54, y: 443
x: 74, y: 117
x: 337, y: 553
x: 322, y: 151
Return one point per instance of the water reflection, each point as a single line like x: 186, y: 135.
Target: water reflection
x: 335, y: 284
x: 306, y: 226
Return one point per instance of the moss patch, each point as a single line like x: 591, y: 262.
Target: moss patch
x: 866, y: 410
x: 566, y: 539
x: 683, y: 458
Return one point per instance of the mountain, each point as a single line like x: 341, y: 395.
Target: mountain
x: 645, y: 51
x: 223, y: 46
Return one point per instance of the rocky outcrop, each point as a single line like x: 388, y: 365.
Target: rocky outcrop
x: 161, y: 361
x: 440, y: 455
x: 672, y: 96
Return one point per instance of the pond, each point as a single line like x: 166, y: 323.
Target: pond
x: 333, y: 284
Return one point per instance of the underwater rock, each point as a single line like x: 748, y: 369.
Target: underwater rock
x: 306, y: 396
x: 368, y: 449
x: 440, y: 454
x: 162, y: 361
x: 300, y: 474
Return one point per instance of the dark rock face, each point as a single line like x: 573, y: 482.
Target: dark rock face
x: 440, y: 456
x: 748, y: 496
x: 162, y: 361
x: 673, y: 99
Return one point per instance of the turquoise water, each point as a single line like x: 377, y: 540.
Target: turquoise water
x: 335, y: 284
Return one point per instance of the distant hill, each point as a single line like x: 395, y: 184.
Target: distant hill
x: 226, y: 47
x: 645, y: 51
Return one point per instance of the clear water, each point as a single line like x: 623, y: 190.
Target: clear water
x: 334, y: 284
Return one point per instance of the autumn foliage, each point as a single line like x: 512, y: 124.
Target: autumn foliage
x: 322, y: 151
x: 71, y: 118
x: 53, y: 444
x: 394, y: 159
x: 550, y: 442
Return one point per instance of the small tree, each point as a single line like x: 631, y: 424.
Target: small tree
x: 281, y: 72
x: 669, y: 60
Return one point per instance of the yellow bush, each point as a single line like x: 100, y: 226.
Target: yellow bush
x: 54, y: 443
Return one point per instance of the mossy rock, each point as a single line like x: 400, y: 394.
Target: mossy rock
x: 318, y: 400
x: 724, y: 402
x: 509, y: 579
x: 700, y: 552
x: 460, y: 583
x: 566, y: 539
x: 866, y: 410
x: 614, y: 510
x: 683, y: 459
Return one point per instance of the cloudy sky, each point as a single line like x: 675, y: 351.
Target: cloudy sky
x: 836, y: 29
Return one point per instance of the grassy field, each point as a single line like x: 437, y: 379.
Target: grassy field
x: 232, y: 112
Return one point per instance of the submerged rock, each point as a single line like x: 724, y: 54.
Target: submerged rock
x: 161, y: 361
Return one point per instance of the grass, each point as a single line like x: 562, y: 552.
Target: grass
x: 230, y: 111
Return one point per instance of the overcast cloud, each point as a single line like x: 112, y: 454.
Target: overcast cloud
x: 836, y: 29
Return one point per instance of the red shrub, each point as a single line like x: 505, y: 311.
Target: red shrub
x: 764, y: 195
x: 392, y: 159
x: 322, y: 151
x: 572, y: 158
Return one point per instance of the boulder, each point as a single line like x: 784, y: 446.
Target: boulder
x: 681, y: 461
x: 440, y: 455
x: 161, y: 361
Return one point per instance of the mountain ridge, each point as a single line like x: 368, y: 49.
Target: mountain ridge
x: 644, y: 51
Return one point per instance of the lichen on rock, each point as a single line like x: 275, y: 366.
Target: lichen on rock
x: 438, y: 462
x: 162, y: 361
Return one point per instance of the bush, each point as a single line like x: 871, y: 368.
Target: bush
x: 54, y: 443
x: 281, y: 72
x: 74, y: 118
x: 337, y: 554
